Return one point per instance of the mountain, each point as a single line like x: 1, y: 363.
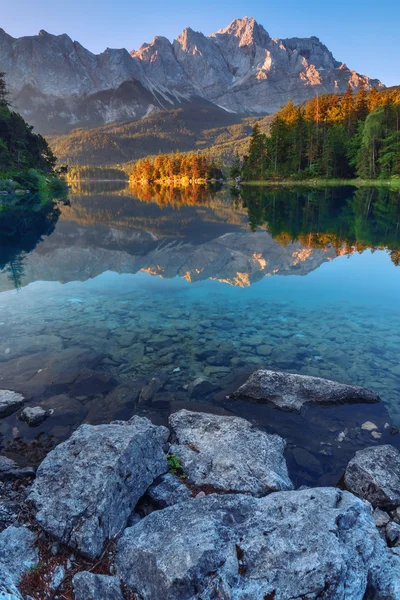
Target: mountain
x: 57, y: 84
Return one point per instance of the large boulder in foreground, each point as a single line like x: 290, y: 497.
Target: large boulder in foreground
x: 374, y: 475
x: 316, y: 543
x: 289, y: 391
x: 228, y: 454
x: 87, y: 487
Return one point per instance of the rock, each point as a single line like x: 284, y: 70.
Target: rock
x: 148, y: 391
x: 29, y: 344
x: 8, y: 513
x: 393, y: 533
x: 290, y: 392
x: 201, y: 386
x: 63, y: 409
x: 374, y: 475
x: 264, y: 350
x: 7, y: 464
x: 168, y: 490
x: 228, y: 454
x: 118, y: 404
x: 92, y: 383
x: 9, y: 402
x: 368, y: 426
x: 8, y: 591
x: 317, y: 543
x: 381, y: 518
x: 9, y: 469
x: 384, y: 579
x: 17, y: 551
x: 33, y: 415
x: 307, y: 461
x: 57, y: 577
x: 50, y: 372
x: 88, y: 586
x: 87, y: 487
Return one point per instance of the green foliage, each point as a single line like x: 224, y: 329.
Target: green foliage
x: 20, y: 148
x: 330, y: 136
x: 81, y: 173
x: 175, y: 466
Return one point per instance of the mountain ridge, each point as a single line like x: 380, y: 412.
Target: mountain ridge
x: 55, y: 82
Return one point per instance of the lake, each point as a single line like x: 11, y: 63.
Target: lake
x: 123, y: 286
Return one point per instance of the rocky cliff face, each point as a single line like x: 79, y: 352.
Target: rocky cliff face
x: 57, y: 84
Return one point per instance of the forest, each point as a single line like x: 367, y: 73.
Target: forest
x: 176, y: 167
x: 330, y: 136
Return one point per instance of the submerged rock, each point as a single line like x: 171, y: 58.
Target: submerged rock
x: 9, y: 402
x: 88, y: 486
x: 33, y: 415
x: 228, y: 454
x: 201, y: 386
x: 374, y: 475
x: 17, y: 551
x: 319, y: 543
x: 289, y: 391
x: 88, y: 586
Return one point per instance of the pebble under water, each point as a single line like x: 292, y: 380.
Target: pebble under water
x: 126, y: 289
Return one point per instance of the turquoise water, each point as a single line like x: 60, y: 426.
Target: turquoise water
x: 131, y: 289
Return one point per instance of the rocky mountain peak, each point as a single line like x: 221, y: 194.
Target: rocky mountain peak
x: 239, y: 68
x: 246, y: 30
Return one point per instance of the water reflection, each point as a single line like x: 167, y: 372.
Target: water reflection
x: 132, y: 284
x: 24, y: 221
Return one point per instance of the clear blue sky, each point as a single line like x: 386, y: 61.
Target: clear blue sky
x: 362, y: 33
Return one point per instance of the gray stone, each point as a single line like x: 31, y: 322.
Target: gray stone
x: 228, y: 454
x: 374, y: 474
x: 9, y: 469
x: 393, y: 534
x: 118, y: 404
x: 150, y: 389
x: 33, y: 415
x: 17, y: 551
x: 8, y: 591
x: 201, y: 386
x: 315, y: 544
x: 63, y: 409
x: 57, y: 577
x: 9, y: 402
x: 381, y: 518
x: 168, y: 490
x: 88, y: 586
x: 87, y: 487
x: 289, y: 391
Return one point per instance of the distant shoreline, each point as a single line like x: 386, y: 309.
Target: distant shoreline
x: 324, y: 182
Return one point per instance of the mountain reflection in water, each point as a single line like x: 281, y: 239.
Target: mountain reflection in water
x: 125, y: 284
x: 234, y: 236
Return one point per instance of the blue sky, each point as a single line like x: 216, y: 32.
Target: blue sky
x: 361, y: 33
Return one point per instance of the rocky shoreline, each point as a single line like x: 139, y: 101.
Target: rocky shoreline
x: 204, y: 508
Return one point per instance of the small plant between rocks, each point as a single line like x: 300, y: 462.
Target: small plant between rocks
x: 175, y: 466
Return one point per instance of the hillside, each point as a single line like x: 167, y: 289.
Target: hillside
x: 166, y: 131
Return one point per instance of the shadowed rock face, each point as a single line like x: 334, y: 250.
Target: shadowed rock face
x: 374, y: 475
x: 240, y: 68
x: 289, y: 391
x: 88, y: 486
